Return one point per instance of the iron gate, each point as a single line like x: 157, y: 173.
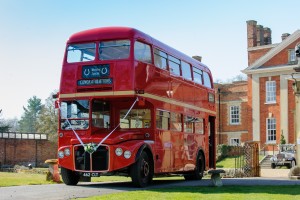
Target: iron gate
x: 247, y: 160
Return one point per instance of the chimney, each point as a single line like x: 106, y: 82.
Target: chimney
x: 199, y: 58
x: 267, y: 36
x: 260, y: 35
x: 251, y: 33
x: 284, y: 36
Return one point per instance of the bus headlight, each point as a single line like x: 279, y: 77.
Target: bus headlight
x: 119, y: 151
x: 67, y: 151
x: 60, y: 154
x: 127, y: 154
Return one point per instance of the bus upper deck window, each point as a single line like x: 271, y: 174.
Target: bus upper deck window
x: 207, y: 81
x: 142, y: 52
x: 174, y: 65
x: 114, y: 49
x: 160, y: 59
x: 81, y: 52
x: 197, y: 75
x: 186, y: 70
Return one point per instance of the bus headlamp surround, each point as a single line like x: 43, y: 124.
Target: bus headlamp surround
x: 119, y: 151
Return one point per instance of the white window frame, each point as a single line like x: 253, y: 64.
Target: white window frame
x: 234, y: 115
x: 235, y: 142
x: 292, y: 56
x: 270, y: 91
x: 271, y: 130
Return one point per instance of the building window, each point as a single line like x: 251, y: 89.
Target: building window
x: 235, y: 142
x: 234, y: 115
x: 292, y: 56
x: 271, y: 130
x: 270, y: 92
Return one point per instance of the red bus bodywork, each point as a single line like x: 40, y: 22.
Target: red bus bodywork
x: 164, y: 95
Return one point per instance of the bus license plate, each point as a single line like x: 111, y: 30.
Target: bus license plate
x: 92, y: 174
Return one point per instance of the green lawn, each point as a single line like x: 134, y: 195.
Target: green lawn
x: 229, y: 162
x: 210, y: 193
x: 14, y: 179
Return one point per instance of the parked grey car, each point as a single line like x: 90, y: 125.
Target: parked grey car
x: 285, y: 157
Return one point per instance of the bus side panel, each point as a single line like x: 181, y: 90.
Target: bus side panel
x: 200, y: 97
x: 163, y: 151
x: 178, y: 141
x: 191, y: 143
x: 68, y: 79
x: 151, y: 79
x: 123, y: 78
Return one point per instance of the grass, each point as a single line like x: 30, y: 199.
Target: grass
x: 229, y: 162
x: 15, y: 179
x: 210, y: 193
x: 22, y: 178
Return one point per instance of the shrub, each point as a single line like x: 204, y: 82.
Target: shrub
x: 295, y: 171
x: 223, y: 151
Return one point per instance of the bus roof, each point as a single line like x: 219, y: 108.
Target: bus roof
x: 106, y: 33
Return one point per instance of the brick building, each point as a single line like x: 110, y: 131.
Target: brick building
x: 262, y: 108
x: 271, y: 100
x: 232, y: 109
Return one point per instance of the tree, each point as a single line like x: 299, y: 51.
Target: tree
x: 239, y: 77
x: 28, y: 122
x: 4, y: 127
x: 282, y: 139
x: 48, y: 119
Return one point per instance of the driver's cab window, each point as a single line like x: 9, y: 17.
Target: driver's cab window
x: 101, y: 114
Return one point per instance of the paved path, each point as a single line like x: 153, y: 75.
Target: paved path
x: 63, y: 192
x: 274, y: 173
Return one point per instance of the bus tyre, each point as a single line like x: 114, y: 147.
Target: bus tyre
x: 69, y: 177
x: 199, y: 170
x: 141, y: 172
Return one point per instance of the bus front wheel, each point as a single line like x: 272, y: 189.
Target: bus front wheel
x: 141, y: 172
x: 69, y: 177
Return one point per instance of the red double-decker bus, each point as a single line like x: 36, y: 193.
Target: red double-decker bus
x: 131, y: 105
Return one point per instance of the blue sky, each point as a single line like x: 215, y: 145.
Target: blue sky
x: 33, y: 34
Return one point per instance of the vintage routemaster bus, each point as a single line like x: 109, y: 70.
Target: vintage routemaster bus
x: 131, y: 105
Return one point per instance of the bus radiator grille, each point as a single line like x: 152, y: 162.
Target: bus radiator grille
x: 97, y: 161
